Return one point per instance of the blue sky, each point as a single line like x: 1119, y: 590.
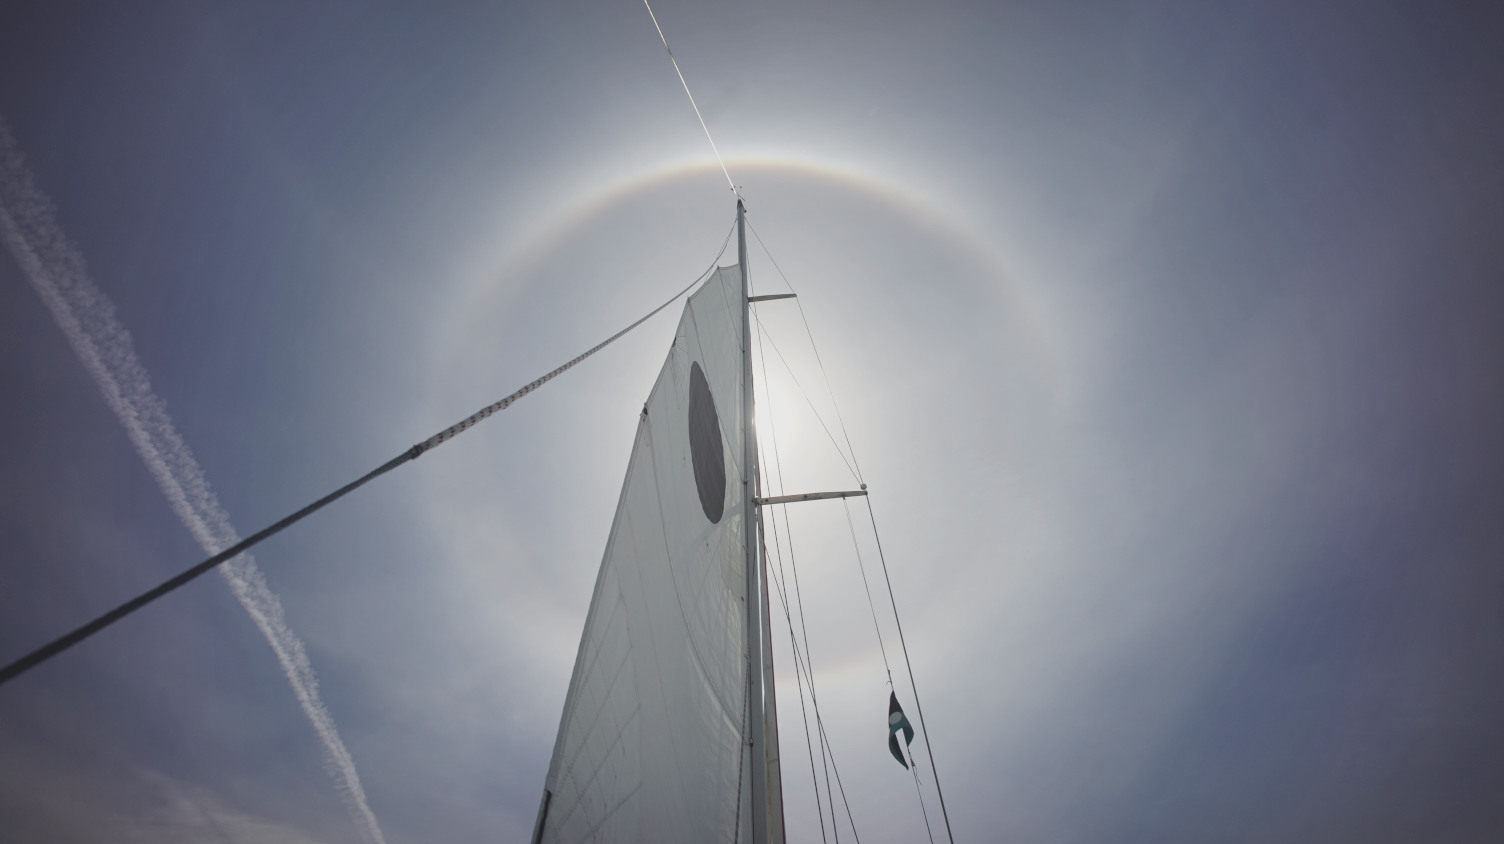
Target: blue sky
x: 1166, y: 335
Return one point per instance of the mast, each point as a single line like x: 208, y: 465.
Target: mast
x: 755, y: 655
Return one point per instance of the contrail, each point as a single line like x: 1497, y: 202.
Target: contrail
x: 56, y: 271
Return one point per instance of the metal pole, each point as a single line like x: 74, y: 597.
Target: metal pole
x: 754, y: 586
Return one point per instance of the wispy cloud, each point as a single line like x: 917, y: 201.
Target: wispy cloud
x: 185, y: 813
x: 57, y: 272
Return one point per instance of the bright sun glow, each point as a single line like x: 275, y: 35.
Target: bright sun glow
x: 774, y: 417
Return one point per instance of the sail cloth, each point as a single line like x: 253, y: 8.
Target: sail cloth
x: 650, y: 744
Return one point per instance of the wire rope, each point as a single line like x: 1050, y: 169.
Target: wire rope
x: 825, y: 746
x: 809, y: 744
x: 849, y: 467
x: 870, y: 605
x: 855, y: 467
x: 839, y: 785
x: 813, y: 347
x: 801, y: 664
x: 692, y: 105
x: 79, y: 634
x: 910, y: 665
x: 778, y: 578
x: 914, y: 769
x: 798, y: 592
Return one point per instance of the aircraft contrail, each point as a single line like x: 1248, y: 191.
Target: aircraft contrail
x: 57, y: 272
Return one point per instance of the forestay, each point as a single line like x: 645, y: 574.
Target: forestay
x: 650, y: 746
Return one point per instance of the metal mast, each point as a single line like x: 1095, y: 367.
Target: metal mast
x: 755, y: 656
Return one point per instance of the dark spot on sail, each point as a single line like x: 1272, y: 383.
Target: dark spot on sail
x: 705, y: 449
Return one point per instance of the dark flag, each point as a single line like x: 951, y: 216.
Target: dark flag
x: 896, y: 722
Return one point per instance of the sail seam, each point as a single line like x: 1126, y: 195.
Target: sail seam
x: 694, y: 645
x: 608, y: 579
x: 592, y: 828
x: 579, y: 786
x: 568, y: 771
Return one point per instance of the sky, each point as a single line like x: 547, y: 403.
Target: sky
x: 1166, y: 336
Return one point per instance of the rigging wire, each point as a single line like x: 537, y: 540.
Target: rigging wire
x: 816, y: 349
x: 870, y: 606
x: 79, y: 634
x: 788, y: 530
x: 798, y: 677
x: 860, y: 567
x: 910, y: 665
x: 782, y: 598
x: 893, y: 601
x: 854, y: 466
x: 825, y: 746
x: 789, y: 533
x: 692, y: 105
x: 914, y: 769
x: 837, y: 770
x: 849, y: 467
x: 804, y: 666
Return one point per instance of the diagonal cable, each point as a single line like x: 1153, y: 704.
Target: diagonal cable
x: 818, y: 360
x: 68, y: 640
x: 692, y: 105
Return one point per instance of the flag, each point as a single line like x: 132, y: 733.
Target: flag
x: 896, y: 722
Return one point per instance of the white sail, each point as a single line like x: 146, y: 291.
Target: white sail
x: 651, y: 743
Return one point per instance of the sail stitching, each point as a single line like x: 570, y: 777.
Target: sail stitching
x: 590, y: 833
x: 608, y: 581
x: 580, y: 788
x: 694, y: 644
x: 605, y: 696
x: 642, y: 587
